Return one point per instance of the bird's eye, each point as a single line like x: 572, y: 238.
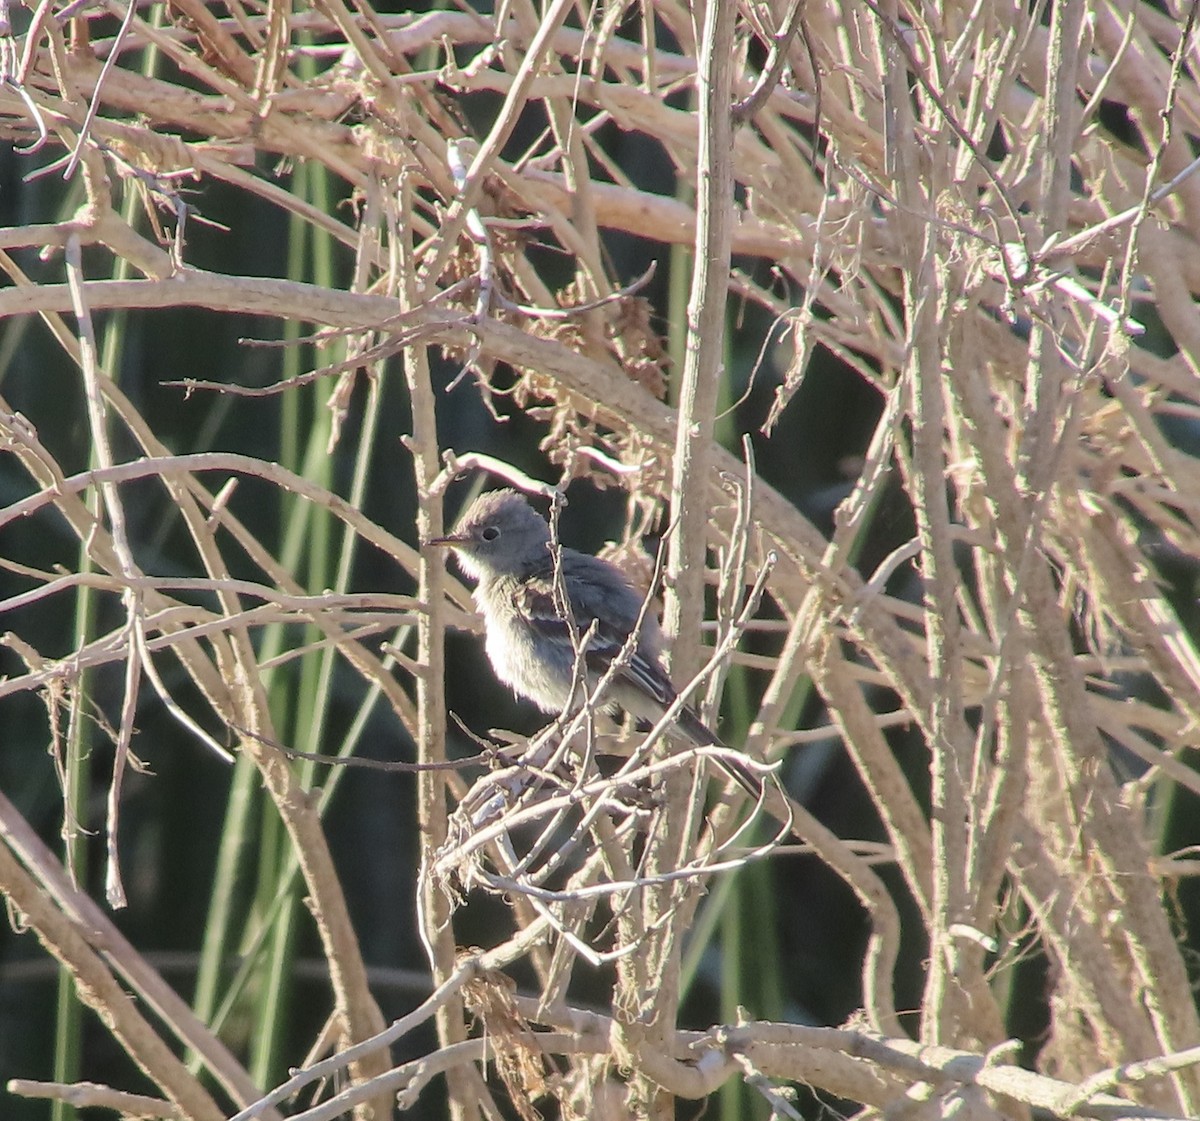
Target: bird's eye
x: 490, y: 533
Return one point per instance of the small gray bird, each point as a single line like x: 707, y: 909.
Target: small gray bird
x: 504, y: 544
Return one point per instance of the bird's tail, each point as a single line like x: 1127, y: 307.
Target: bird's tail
x: 701, y: 735
x: 696, y: 730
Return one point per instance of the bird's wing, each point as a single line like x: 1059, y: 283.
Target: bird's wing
x: 603, y: 604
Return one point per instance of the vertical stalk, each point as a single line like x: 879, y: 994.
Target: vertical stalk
x: 649, y: 982
x: 431, y: 680
x: 68, y: 1034
x: 68, y: 1019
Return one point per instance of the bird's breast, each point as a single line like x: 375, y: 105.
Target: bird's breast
x: 531, y: 665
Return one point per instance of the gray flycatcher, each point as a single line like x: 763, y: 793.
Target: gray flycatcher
x: 503, y: 544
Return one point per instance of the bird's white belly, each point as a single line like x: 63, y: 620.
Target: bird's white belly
x: 510, y: 649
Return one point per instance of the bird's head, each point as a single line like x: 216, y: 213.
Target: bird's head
x: 499, y: 535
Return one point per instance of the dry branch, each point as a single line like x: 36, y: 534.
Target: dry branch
x: 949, y: 201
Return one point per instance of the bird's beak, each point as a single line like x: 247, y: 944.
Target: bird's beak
x: 449, y: 542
